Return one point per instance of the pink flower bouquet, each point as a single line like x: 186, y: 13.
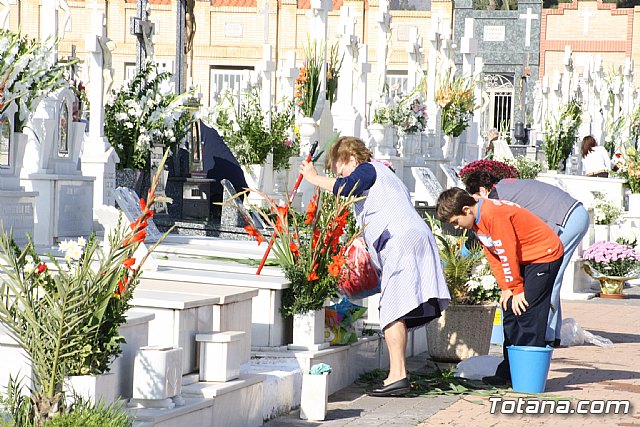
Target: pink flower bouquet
x: 612, y: 259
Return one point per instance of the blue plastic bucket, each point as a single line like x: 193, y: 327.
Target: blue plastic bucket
x: 529, y: 367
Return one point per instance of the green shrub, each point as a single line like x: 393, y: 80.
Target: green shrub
x: 86, y: 414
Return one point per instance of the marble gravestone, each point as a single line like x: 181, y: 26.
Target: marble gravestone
x: 508, y: 41
x: 16, y: 204
x: 451, y: 177
x: 129, y: 202
x: 64, y: 205
x: 427, y: 186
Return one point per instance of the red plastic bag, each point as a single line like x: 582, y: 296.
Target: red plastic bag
x: 359, y: 278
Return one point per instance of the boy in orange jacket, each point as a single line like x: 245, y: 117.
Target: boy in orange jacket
x: 525, y: 256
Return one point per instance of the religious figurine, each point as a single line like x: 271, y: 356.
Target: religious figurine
x: 190, y: 25
x: 4, y: 14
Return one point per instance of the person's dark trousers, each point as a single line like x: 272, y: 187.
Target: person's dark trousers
x: 530, y: 327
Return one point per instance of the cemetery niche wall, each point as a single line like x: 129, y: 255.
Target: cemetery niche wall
x: 16, y: 204
x: 65, y: 201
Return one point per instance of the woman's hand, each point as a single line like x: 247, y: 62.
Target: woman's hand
x: 308, y: 170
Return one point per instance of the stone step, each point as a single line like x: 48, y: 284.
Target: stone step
x: 219, y: 278
x: 196, y: 412
x: 219, y: 250
x: 198, y: 263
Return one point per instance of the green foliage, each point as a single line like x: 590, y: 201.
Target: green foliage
x: 17, y: 406
x: 334, y: 64
x: 495, y: 4
x: 250, y: 138
x: 459, y: 270
x: 60, y: 319
x: 527, y: 168
x: 143, y: 114
x: 308, y: 81
x: 605, y: 212
x: 560, y: 134
x: 86, y: 414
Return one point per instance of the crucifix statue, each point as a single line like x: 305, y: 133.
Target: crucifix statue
x: 143, y: 29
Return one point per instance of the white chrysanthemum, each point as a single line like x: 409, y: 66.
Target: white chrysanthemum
x: 121, y: 117
x: 488, y: 282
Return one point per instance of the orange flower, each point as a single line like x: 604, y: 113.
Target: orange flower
x: 42, y: 267
x: 334, y: 269
x: 311, y: 210
x: 254, y: 233
x: 339, y: 259
x: 282, y: 212
x: 143, y: 204
x: 122, y: 285
x: 313, y: 276
x: 294, y: 249
x: 129, y: 262
x: 316, y: 236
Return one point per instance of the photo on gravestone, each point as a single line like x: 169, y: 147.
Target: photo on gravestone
x: 452, y: 175
x: 427, y: 186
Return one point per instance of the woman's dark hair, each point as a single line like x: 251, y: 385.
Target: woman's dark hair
x: 345, y: 147
x: 588, y: 142
x: 450, y: 203
x: 480, y: 178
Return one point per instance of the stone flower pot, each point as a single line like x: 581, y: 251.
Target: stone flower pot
x: 461, y: 332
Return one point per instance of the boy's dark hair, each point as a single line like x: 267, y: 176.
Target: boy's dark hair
x: 451, y: 202
x: 480, y: 178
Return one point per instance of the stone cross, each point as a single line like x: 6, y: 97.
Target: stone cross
x: 435, y: 39
x: 143, y: 29
x: 567, y: 75
x: 95, y: 63
x: 468, y: 47
x: 414, y: 48
x: 287, y: 75
x: 586, y: 14
x: 448, y: 66
x: 266, y: 12
x: 364, y: 68
x: 318, y: 16
x: 383, y: 18
x: 627, y: 90
x: 266, y: 69
x: 349, y: 51
x: 529, y: 16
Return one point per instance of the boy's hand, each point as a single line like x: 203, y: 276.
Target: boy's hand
x: 519, y: 304
x: 504, y: 298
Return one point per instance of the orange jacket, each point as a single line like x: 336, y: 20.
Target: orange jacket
x: 512, y: 236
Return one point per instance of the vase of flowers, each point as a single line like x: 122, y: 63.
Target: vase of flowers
x: 307, y: 85
x: 464, y: 329
x: 456, y: 99
x: 28, y: 73
x: 310, y: 248
x: 560, y: 134
x: 626, y: 165
x: 611, y: 264
x: 146, y: 113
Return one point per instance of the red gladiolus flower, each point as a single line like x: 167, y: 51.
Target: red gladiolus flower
x: 143, y: 204
x: 282, y: 212
x: 42, y: 267
x: 316, y: 236
x: 294, y: 249
x: 252, y: 232
x: 122, y: 285
x: 313, y: 276
x: 334, y: 269
x: 128, y: 263
x: 311, y: 210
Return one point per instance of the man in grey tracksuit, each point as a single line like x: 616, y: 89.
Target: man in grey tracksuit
x: 562, y: 213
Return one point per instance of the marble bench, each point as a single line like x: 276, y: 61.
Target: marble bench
x: 206, y: 308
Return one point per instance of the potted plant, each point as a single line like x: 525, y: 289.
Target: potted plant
x: 500, y: 169
x: 65, y: 315
x: 560, y: 134
x: 527, y: 168
x: 611, y: 264
x: 456, y: 99
x: 143, y: 114
x: 464, y: 329
x: 605, y: 213
x: 310, y: 248
x: 626, y: 165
